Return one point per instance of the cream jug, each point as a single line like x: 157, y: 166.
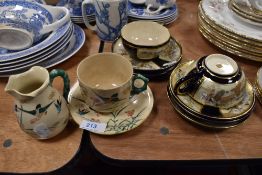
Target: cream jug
x: 40, y: 110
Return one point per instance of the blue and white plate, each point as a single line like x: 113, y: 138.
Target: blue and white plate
x: 51, y: 39
x: 39, y: 54
x: 38, y: 58
x: 139, y: 11
x: 76, y: 42
x: 164, y: 21
x: 75, y: 10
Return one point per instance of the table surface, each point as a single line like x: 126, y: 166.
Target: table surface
x: 182, y: 140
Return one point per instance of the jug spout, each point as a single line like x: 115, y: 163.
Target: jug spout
x: 29, y: 84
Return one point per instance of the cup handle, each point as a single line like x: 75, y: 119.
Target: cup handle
x: 189, y: 81
x: 58, y: 72
x: 137, y: 90
x: 84, y: 4
x: 60, y: 22
x: 156, y: 11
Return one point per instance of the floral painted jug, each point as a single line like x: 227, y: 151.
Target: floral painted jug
x: 40, y: 110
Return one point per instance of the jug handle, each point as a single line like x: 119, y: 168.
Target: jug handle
x: 59, y: 72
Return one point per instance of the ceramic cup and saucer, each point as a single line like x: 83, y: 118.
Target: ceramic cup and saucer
x: 212, y: 92
x: 149, y: 47
x: 113, y: 96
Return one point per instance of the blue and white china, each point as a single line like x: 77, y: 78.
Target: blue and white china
x: 76, y: 42
x: 38, y: 1
x: 39, y: 57
x: 23, y: 23
x: 164, y: 21
x: 137, y: 1
x: 40, y: 53
x: 75, y: 9
x: 139, y: 11
x: 46, y: 42
x: 111, y: 16
x: 155, y: 6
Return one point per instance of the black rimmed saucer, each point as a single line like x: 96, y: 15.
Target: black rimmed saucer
x: 206, y: 115
x: 158, y: 67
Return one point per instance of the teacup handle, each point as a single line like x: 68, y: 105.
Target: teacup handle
x: 148, y: 10
x: 58, y: 72
x: 188, y: 81
x: 84, y: 14
x: 57, y: 11
x: 135, y: 89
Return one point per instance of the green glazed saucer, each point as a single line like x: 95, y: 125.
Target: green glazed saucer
x: 122, y: 120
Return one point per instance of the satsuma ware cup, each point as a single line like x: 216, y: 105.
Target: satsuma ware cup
x: 107, y: 81
x: 111, y: 16
x: 215, y: 80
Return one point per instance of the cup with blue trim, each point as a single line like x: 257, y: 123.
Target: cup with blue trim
x: 107, y: 81
x: 111, y: 16
x: 23, y: 23
x: 215, y: 81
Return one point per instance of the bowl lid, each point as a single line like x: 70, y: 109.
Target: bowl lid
x: 221, y: 65
x: 145, y: 33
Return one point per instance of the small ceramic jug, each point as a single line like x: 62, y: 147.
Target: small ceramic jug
x: 41, y: 111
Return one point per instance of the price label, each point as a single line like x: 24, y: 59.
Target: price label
x: 93, y: 126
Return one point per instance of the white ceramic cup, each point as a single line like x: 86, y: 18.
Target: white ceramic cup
x: 257, y: 4
x: 107, y: 81
x: 158, y: 5
x: 111, y: 16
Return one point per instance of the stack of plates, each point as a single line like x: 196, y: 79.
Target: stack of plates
x: 218, y: 24
x: 202, y: 115
x: 245, y: 12
x: 76, y: 11
x: 53, y: 49
x: 138, y: 12
x: 258, y: 85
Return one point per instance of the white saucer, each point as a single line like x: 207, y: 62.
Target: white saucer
x: 120, y: 121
